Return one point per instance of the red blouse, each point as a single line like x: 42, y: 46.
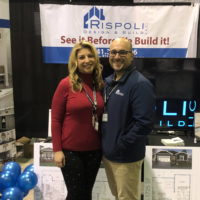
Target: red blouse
x: 71, y: 117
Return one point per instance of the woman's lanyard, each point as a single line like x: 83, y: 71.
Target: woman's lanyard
x: 106, y: 98
x: 95, y: 122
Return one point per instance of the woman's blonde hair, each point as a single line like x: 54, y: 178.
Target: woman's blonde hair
x: 73, y: 67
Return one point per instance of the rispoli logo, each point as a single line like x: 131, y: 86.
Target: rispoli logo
x: 95, y: 22
x: 94, y: 12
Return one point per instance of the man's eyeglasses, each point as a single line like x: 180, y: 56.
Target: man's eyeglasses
x: 120, y: 52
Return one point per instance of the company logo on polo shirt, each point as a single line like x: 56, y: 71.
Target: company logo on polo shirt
x: 96, y: 22
x: 119, y: 93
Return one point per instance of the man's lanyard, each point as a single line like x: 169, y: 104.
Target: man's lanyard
x: 94, y: 103
x: 106, y: 97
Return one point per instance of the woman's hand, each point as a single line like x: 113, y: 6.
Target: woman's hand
x: 59, y: 159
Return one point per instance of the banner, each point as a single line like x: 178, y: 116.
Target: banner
x: 155, y: 31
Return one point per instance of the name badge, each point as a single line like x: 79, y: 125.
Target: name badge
x: 96, y: 126
x: 105, y: 117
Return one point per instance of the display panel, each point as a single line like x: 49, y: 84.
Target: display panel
x: 175, y: 113
x: 176, y: 84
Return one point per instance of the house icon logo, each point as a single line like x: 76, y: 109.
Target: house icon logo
x: 94, y: 15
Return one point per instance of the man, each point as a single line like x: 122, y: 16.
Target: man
x: 127, y: 120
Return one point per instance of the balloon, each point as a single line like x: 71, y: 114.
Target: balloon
x: 29, y: 168
x: 12, y: 166
x: 1, y: 188
x: 27, y: 181
x: 12, y: 193
x: 7, y: 179
x: 25, y: 193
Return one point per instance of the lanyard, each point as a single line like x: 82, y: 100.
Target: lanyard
x: 94, y: 103
x: 106, y: 97
x: 95, y: 122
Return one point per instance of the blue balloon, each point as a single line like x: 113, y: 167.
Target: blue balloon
x: 27, y: 181
x: 12, y: 166
x: 12, y: 193
x: 25, y: 193
x: 7, y: 179
x: 1, y: 188
x: 29, y: 168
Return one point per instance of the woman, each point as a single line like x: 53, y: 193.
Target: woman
x: 77, y: 107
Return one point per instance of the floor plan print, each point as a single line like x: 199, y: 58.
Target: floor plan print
x: 171, y: 173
